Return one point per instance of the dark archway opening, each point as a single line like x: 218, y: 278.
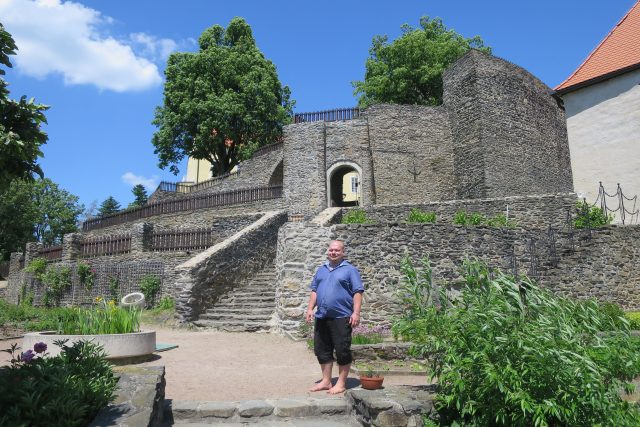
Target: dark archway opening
x: 277, y: 175
x: 344, y: 187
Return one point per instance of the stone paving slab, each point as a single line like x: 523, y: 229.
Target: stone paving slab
x: 307, y: 422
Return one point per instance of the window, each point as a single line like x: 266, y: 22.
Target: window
x: 354, y: 184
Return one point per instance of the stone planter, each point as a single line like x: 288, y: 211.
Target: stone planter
x: 135, y: 346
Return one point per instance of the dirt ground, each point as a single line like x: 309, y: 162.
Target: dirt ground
x: 221, y: 366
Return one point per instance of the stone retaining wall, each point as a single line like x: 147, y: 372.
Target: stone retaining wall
x: 527, y: 211
x: 603, y: 266
x: 207, y: 276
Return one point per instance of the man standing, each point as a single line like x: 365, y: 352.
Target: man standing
x: 337, y: 292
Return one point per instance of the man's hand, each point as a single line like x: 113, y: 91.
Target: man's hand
x: 309, y: 316
x: 354, y: 320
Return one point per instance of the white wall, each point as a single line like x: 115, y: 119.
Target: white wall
x: 603, y: 124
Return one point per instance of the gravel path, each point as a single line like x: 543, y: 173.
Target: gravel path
x: 222, y: 366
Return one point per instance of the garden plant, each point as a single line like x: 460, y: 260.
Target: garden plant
x: 419, y: 216
x: 66, y: 390
x: 507, y: 352
x: 356, y: 216
x: 588, y: 216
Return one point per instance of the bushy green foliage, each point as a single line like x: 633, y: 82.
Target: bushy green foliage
x: 167, y: 303
x: 475, y: 218
x: 114, y: 286
x: 507, y: 352
x: 66, y: 390
x: 37, y: 266
x: 418, y: 216
x: 592, y: 216
x: 109, y: 206
x: 150, y: 286
x: 24, y: 317
x: 220, y: 103
x: 104, y: 318
x: 356, y: 216
x: 57, y: 280
x: 86, y: 275
x: 409, y: 69
x: 634, y: 319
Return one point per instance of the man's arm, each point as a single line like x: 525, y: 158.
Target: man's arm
x: 354, y: 320
x: 310, y: 307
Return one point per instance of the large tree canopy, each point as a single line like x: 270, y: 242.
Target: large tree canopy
x: 409, y: 69
x: 37, y: 210
x: 20, y: 133
x: 221, y: 103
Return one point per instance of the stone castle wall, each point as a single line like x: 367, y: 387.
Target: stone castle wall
x: 601, y: 267
x: 527, y: 211
x: 510, y: 134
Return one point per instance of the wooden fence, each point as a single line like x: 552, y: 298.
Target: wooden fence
x: 328, y: 116
x: 187, y: 204
x: 106, y: 245
x: 179, y: 240
x: 51, y: 253
x: 175, y: 187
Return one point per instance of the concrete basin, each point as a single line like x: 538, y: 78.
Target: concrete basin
x: 135, y: 345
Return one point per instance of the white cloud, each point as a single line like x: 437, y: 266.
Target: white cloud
x: 132, y: 179
x: 68, y: 38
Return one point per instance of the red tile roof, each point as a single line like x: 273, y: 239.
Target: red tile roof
x: 620, y: 50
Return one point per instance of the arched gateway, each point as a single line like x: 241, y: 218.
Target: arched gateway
x: 344, y: 184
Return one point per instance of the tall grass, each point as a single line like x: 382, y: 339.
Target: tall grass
x: 105, y: 318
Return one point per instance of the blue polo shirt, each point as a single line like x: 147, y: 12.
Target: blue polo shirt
x: 335, y: 289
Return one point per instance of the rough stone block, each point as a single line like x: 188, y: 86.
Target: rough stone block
x: 254, y: 408
x: 184, y: 409
x: 216, y: 410
x: 332, y: 406
x: 293, y: 408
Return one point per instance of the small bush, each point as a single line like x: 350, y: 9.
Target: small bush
x: 57, y: 280
x: 86, y: 275
x: 356, y: 216
x: 150, y: 286
x: 38, y: 267
x: 66, y: 390
x: 419, y: 216
x: 634, y: 319
x: 591, y: 216
x: 507, y: 352
x: 167, y: 303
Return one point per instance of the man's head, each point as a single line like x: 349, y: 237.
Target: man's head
x: 335, y: 253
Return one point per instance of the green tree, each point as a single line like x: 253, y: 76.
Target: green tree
x: 36, y: 210
x: 20, y: 133
x: 140, y: 194
x: 221, y: 103
x: 109, y: 206
x: 409, y: 69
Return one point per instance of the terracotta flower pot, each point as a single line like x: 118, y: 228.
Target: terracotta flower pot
x: 371, y: 383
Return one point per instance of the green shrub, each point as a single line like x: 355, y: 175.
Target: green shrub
x: 634, y: 319
x: 114, y: 286
x: 57, y: 280
x: 150, y: 286
x: 356, y: 216
x: 594, y: 216
x: 66, y: 390
x: 418, y: 216
x: 508, y: 352
x: 86, y: 275
x: 167, y: 303
x: 475, y: 218
x: 38, y: 267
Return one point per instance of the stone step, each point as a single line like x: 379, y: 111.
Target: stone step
x: 240, y: 310
x: 233, y: 326
x: 226, y: 317
x: 243, y: 294
x: 248, y: 298
x: 299, y: 411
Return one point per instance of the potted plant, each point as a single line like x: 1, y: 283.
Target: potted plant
x: 371, y: 379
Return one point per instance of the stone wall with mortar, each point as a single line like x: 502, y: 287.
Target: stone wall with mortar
x: 408, y: 141
x: 602, y: 267
x: 509, y: 133
x: 526, y: 211
x: 212, y: 273
x: 261, y: 170
x: 231, y: 218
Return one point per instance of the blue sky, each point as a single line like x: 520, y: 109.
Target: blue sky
x: 99, y: 64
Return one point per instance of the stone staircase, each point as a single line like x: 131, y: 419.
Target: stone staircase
x: 247, y: 308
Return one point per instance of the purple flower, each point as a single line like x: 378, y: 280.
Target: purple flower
x: 40, y: 347
x: 27, y: 356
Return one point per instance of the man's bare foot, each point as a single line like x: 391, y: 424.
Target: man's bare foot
x: 321, y: 386
x: 337, y: 389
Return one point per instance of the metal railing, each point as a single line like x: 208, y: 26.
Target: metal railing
x: 204, y: 201
x: 267, y: 149
x: 328, y: 115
